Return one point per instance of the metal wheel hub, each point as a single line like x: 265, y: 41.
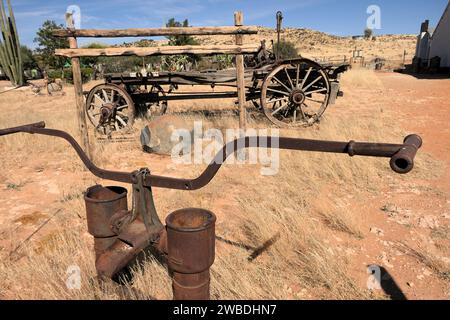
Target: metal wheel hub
x: 297, y: 96
x: 107, y: 112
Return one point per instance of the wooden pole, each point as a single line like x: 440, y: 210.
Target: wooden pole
x: 150, y: 32
x: 158, y: 51
x: 239, y: 21
x: 78, y: 85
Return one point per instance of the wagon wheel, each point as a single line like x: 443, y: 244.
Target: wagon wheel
x: 110, y: 108
x: 295, y: 94
x: 159, y: 107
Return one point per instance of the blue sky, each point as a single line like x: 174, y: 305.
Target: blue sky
x: 339, y: 17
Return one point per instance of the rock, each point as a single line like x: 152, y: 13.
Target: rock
x: 427, y: 273
x: 156, y: 137
x: 390, y: 209
x: 384, y: 258
x: 377, y: 231
x: 428, y: 222
x: 410, y: 284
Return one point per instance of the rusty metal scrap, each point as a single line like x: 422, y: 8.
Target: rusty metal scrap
x: 187, y: 243
x: 191, y: 252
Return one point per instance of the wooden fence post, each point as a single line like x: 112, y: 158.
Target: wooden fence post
x: 239, y: 21
x: 78, y: 85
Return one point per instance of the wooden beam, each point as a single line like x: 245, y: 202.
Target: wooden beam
x: 149, y: 32
x: 239, y: 21
x: 79, y: 98
x: 155, y: 51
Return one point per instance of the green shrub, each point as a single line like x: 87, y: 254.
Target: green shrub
x: 368, y: 33
x: 66, y: 74
x: 285, y: 50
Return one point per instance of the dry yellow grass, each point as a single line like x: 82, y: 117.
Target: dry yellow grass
x: 302, y: 263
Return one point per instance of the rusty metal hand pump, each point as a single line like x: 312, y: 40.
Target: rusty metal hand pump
x: 187, y: 243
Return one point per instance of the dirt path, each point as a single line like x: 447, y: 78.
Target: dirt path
x: 407, y: 227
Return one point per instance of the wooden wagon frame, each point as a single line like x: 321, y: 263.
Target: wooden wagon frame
x: 292, y: 93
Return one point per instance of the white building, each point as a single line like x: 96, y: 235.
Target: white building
x: 436, y: 44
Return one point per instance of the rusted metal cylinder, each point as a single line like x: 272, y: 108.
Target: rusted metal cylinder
x: 191, y: 252
x: 403, y: 161
x: 101, y: 245
x: 101, y: 204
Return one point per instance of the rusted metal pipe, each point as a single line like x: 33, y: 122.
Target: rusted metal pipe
x: 403, y: 160
x: 191, y: 252
x: 351, y: 148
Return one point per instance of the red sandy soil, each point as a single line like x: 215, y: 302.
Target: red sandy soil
x: 413, y: 214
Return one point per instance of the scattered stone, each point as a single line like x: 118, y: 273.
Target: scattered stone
x: 377, y: 231
x: 390, y: 209
x: 410, y: 284
x: 386, y: 261
x: 428, y: 222
x: 427, y: 273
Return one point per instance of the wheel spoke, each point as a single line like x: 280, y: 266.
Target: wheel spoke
x: 316, y: 91
x: 98, y: 97
x: 278, y: 91
x: 289, y: 78
x: 313, y: 100
x: 105, y: 95
x: 295, y: 116
x: 302, y: 112
x: 277, y: 80
x: 298, y: 76
x: 279, y: 109
x: 122, y: 107
x: 112, y: 95
x: 121, y: 121
x: 123, y: 115
x: 306, y: 77
x: 275, y: 100
x: 312, y: 83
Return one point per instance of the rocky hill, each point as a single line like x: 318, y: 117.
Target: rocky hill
x: 315, y: 44
x: 319, y: 45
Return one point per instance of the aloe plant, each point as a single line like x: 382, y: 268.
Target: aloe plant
x: 10, y: 58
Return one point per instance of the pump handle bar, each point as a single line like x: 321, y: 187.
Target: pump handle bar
x: 402, y: 155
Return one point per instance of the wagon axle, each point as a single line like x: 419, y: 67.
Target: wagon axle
x: 297, y: 96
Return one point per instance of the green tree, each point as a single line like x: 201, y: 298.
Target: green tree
x: 91, y: 61
x: 179, y: 62
x: 28, y: 59
x: 180, y: 40
x: 368, y: 33
x: 47, y: 44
